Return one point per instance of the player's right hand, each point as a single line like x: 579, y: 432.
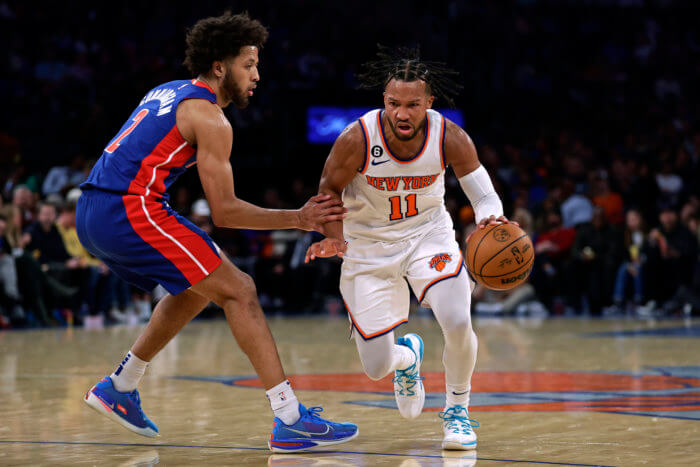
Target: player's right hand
x: 325, y: 249
x: 320, y: 209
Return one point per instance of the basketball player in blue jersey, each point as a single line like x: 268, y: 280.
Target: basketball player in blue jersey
x: 388, y: 168
x: 123, y: 218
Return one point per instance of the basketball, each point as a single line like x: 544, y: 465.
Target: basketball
x: 500, y: 256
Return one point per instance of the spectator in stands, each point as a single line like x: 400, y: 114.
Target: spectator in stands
x: 670, y: 185
x: 201, y: 215
x: 632, y: 267
x: 644, y: 191
x: 673, y: 256
x: 91, y: 275
x: 576, y: 209
x: 552, y: 269
x: 43, y: 240
x: 597, y: 252
x: 687, y: 296
x: 10, y: 308
x: 524, y: 218
x: 23, y: 204
x: 60, y: 177
x: 607, y: 199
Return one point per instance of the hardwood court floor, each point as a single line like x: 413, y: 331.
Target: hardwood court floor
x: 552, y: 392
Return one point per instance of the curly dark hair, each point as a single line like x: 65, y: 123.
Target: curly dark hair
x: 405, y: 64
x: 221, y: 37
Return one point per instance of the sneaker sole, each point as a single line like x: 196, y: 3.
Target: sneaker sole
x: 319, y: 444
x: 456, y: 446
x: 100, y: 407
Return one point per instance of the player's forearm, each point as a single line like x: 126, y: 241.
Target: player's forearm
x: 243, y: 215
x: 479, y: 189
x: 332, y: 229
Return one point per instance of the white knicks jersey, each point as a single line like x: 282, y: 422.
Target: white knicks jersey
x: 391, y: 199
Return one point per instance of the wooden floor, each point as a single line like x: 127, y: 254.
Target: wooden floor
x: 551, y: 392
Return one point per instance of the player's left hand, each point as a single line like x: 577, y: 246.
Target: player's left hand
x: 325, y: 249
x: 492, y: 220
x: 320, y: 209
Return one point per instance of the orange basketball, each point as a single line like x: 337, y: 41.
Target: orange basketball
x: 500, y: 256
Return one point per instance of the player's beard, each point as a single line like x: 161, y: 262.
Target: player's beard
x: 409, y: 137
x: 238, y: 96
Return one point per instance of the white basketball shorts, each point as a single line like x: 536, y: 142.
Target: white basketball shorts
x: 375, y: 277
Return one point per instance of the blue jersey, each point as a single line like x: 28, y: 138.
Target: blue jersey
x: 149, y: 153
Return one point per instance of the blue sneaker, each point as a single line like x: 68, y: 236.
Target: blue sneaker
x: 309, y: 431
x: 458, y: 429
x: 408, y: 383
x: 121, y: 407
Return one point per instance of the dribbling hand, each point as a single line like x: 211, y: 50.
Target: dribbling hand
x: 492, y: 220
x: 318, y: 210
x: 325, y: 249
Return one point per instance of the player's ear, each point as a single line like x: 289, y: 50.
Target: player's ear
x: 431, y: 99
x: 218, y: 68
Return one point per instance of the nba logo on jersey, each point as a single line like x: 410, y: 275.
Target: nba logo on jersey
x: 438, y: 261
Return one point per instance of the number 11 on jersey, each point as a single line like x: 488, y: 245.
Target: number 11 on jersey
x: 396, y: 213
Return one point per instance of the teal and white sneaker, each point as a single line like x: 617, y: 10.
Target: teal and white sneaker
x: 458, y: 428
x: 408, y: 383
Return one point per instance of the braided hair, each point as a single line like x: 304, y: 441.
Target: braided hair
x: 404, y: 64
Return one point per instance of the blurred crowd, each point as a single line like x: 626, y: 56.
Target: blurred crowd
x: 583, y: 112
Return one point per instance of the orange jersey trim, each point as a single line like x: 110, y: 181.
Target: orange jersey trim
x: 446, y: 276
x: 443, y: 130
x: 366, y: 135
x: 374, y: 334
x: 386, y: 146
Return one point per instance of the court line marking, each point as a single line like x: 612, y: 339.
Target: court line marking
x: 367, y: 453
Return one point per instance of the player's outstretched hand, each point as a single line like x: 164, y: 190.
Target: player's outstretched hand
x: 492, y: 220
x: 325, y: 249
x: 320, y: 209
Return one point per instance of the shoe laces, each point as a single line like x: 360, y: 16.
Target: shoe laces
x: 457, y: 420
x: 407, y: 380
x: 314, y: 411
x: 136, y: 399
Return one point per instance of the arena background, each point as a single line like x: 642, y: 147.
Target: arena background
x: 590, y: 105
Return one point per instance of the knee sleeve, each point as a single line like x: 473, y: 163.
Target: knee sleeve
x: 451, y: 304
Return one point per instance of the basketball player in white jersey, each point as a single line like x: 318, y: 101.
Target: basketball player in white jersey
x: 389, y: 169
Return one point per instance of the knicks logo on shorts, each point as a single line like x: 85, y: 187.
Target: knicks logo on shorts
x: 438, y: 261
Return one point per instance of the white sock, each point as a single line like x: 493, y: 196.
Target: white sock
x: 284, y: 403
x: 457, y: 395
x: 127, y: 376
x: 403, y: 357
